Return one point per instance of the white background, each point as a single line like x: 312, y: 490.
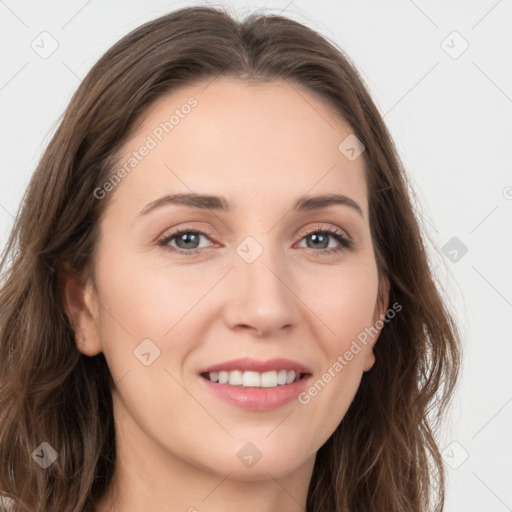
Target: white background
x: 451, y: 119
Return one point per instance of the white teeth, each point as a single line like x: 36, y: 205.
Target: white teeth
x: 251, y: 379
x: 282, y: 377
x: 269, y: 379
x: 255, y: 379
x: 235, y: 378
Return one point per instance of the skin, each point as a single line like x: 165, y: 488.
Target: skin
x: 261, y: 147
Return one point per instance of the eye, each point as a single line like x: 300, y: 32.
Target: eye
x: 188, y: 239
x: 320, y: 238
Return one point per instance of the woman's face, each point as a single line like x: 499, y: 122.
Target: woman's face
x: 263, y: 279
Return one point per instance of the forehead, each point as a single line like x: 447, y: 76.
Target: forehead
x: 237, y: 139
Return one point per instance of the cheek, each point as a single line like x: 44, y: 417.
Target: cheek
x: 141, y: 302
x: 151, y: 301
x: 346, y: 305
x: 345, y: 301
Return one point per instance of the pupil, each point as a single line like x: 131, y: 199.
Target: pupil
x: 186, y: 238
x: 316, y: 236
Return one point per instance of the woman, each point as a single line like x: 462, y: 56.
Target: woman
x: 256, y: 368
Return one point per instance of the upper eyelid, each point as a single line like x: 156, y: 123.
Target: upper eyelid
x: 329, y: 229
x: 302, y: 233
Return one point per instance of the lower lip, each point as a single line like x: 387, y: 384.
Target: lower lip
x: 257, y: 399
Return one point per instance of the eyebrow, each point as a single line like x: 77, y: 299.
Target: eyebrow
x: 219, y: 203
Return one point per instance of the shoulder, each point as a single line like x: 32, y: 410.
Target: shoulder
x: 5, y: 504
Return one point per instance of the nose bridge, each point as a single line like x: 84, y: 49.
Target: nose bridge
x: 262, y: 297
x: 260, y: 265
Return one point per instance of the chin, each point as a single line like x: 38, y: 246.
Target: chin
x: 261, y: 471
x: 246, y: 464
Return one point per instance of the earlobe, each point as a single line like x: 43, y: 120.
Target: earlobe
x: 80, y: 307
x: 370, y: 359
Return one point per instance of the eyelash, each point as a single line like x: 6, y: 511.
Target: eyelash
x: 345, y: 243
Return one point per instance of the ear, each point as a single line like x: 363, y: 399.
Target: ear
x: 81, y: 306
x: 381, y: 307
x: 382, y: 303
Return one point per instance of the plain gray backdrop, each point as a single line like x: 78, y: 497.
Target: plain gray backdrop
x: 439, y: 73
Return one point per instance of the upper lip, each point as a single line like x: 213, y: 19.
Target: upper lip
x: 258, y: 365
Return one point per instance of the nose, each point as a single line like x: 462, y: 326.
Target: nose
x: 260, y: 297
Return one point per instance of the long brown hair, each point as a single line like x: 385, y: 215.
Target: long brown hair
x: 384, y: 455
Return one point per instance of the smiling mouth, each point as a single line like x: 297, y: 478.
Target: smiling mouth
x: 252, y: 379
